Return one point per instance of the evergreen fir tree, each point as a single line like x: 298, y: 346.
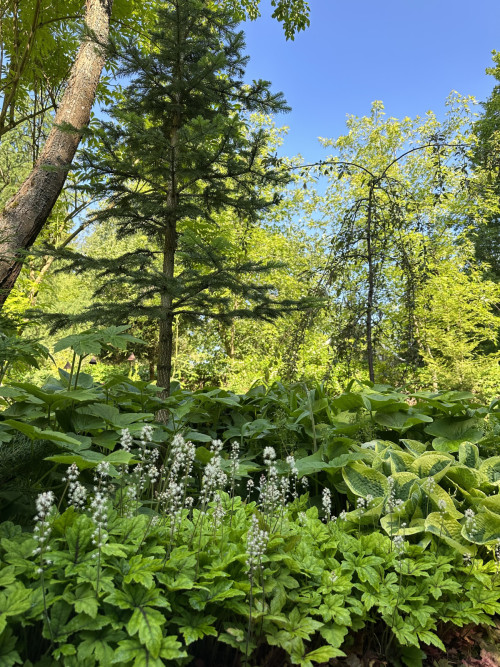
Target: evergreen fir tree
x: 178, y: 150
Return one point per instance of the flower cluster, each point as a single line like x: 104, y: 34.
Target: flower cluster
x: 172, y: 498
x: 213, y: 476
x: 398, y: 542
x: 147, y: 470
x: 126, y: 440
x: 271, y: 495
x: 101, y: 477
x: 219, y: 512
x: 326, y: 502
x: 77, y: 493
x: 42, y: 530
x: 393, y: 504
x: 99, y: 509
x: 431, y: 484
x: 256, y: 546
x: 234, y: 460
x: 470, y: 521
x: 294, y: 473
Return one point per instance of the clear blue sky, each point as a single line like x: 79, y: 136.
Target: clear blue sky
x: 408, y: 53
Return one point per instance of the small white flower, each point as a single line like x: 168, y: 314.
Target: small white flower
x: 256, y: 546
x: 398, y: 542
x: 326, y: 502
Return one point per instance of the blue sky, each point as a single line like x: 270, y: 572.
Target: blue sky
x: 408, y: 53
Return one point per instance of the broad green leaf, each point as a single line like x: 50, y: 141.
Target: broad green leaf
x: 455, y: 429
x: 87, y: 459
x: 364, y: 481
x: 414, y: 446
x: 491, y: 469
x: 322, y: 654
x: 431, y: 465
x: 148, y: 623
x: 35, y: 433
x: 466, y: 478
x: 400, y: 420
x: 484, y: 529
x: 468, y: 455
x: 446, y: 528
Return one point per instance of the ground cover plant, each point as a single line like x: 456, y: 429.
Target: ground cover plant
x: 281, y: 524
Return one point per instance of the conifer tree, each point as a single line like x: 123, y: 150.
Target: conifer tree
x: 176, y: 151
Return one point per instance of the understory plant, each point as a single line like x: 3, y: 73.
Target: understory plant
x: 139, y: 564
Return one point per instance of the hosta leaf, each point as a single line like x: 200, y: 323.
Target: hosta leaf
x: 492, y: 503
x: 403, y: 482
x: 364, y: 481
x: 484, y: 529
x: 446, y: 446
x: 414, y: 446
x: 394, y: 461
x: 310, y: 464
x: 440, y: 499
x: 491, y: 469
x: 468, y: 455
x: 350, y: 401
x: 391, y: 523
x: 431, y: 465
x: 446, y: 528
x: 466, y: 478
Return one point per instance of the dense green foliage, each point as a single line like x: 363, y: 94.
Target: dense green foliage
x: 295, y: 520
x: 283, y: 447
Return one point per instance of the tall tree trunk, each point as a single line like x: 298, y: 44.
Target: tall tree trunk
x: 371, y: 286
x: 28, y: 210
x: 166, y: 334
x: 165, y: 340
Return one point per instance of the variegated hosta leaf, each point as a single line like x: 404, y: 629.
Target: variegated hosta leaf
x: 392, y: 461
x: 491, y: 469
x: 466, y: 478
x: 364, y: 481
x: 447, y: 528
x: 415, y: 447
x: 484, y: 528
x: 403, y: 482
x: 431, y: 464
x: 438, y: 499
x: 468, y: 455
x: 367, y: 516
x: 492, y: 503
x: 392, y: 524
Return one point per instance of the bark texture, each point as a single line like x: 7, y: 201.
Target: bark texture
x: 26, y: 213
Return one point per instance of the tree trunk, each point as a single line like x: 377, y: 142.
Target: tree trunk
x: 26, y: 213
x: 166, y: 335
x: 371, y: 287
